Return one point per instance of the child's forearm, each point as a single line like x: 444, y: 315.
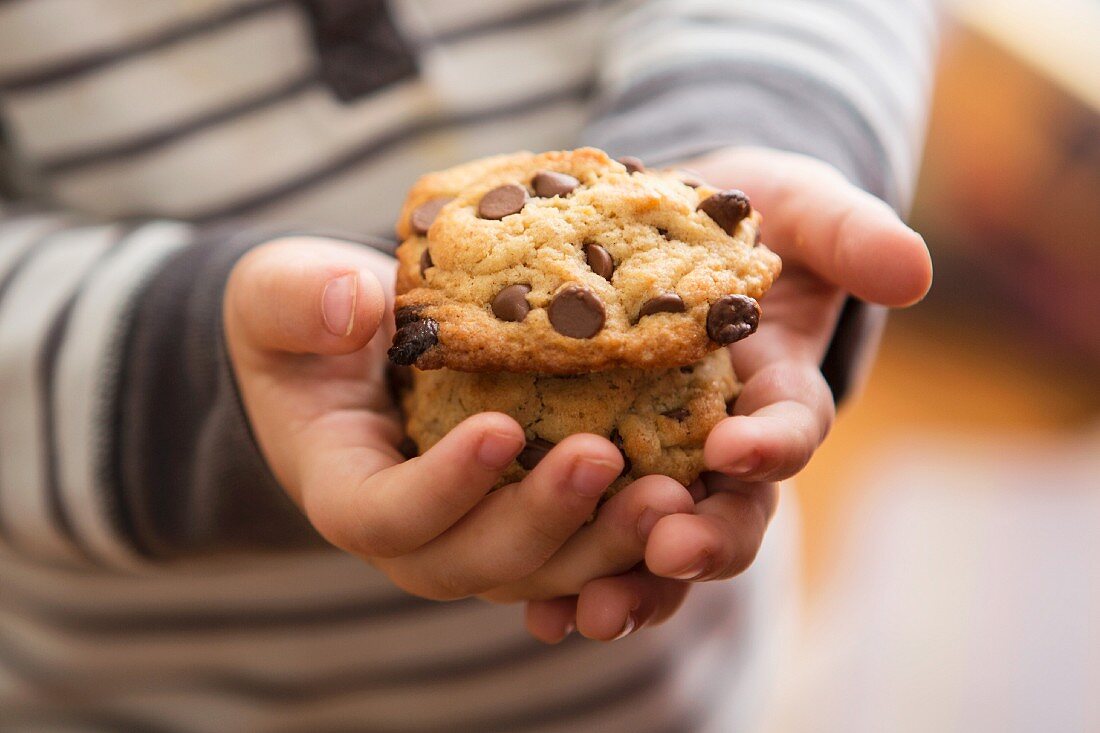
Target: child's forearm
x: 122, y: 437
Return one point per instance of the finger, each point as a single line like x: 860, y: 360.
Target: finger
x: 515, y: 530
x: 609, y: 609
x: 721, y: 540
x: 612, y: 544
x: 552, y: 620
x: 304, y: 295
x: 781, y: 417
x: 815, y: 217
x: 370, y: 502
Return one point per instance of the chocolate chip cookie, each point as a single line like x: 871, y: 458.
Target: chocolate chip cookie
x: 570, y: 263
x: 659, y: 418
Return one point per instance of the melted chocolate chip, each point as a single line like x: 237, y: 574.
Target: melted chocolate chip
x: 551, y: 183
x: 502, y: 201
x: 576, y: 312
x: 633, y: 165
x: 727, y: 208
x: 400, y: 379
x: 535, y: 451
x: 412, y: 340
x: 617, y: 439
x: 686, y: 369
x: 408, y: 447
x: 511, y: 303
x: 664, y: 303
x: 406, y: 315
x: 425, y: 262
x: 679, y: 414
x: 732, y: 318
x: 422, y: 216
x: 599, y: 259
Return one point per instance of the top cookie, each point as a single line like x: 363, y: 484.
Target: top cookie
x: 571, y: 262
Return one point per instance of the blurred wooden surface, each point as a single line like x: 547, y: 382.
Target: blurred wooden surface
x: 937, y: 372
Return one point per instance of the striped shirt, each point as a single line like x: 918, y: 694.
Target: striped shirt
x: 152, y: 575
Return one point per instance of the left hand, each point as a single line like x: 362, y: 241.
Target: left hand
x: 835, y: 240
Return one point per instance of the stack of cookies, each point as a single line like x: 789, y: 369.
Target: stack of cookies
x: 576, y: 293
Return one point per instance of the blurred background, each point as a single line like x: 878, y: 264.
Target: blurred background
x: 952, y: 521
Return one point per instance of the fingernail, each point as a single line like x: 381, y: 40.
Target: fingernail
x: 498, y: 449
x: 338, y: 304
x: 695, y: 571
x: 647, y: 521
x: 744, y: 466
x: 569, y: 629
x: 628, y: 627
x: 591, y: 477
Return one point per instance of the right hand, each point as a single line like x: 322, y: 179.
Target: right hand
x: 307, y: 324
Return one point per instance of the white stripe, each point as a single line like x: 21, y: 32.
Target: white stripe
x: 47, y: 32
x: 281, y: 143
x: 26, y: 313
x: 19, y: 235
x: 87, y: 364
x: 383, y: 182
x: 153, y: 90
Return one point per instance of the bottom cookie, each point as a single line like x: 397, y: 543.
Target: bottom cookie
x: 659, y: 419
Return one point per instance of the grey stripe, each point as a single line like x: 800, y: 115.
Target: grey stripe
x: 49, y: 716
x: 47, y: 371
x: 379, y: 145
x: 200, y: 621
x: 148, y: 141
x: 98, y: 60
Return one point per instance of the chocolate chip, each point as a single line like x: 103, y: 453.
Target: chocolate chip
x: 511, y: 303
x: 422, y: 216
x: 405, y: 315
x: 679, y: 414
x: 599, y: 259
x: 425, y: 262
x: 633, y: 165
x: 664, y: 303
x: 727, y: 208
x: 502, y: 201
x: 686, y: 369
x: 408, y: 447
x: 412, y: 340
x: 576, y: 312
x: 535, y: 451
x: 552, y: 183
x: 663, y: 232
x: 732, y: 318
x: 400, y: 378
x: 617, y: 439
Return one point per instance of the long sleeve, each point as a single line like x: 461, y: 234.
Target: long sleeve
x: 845, y: 81
x: 122, y: 436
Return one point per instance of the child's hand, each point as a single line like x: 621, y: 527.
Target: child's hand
x: 305, y: 326
x: 834, y: 239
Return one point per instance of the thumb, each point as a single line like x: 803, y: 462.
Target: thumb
x: 304, y: 295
